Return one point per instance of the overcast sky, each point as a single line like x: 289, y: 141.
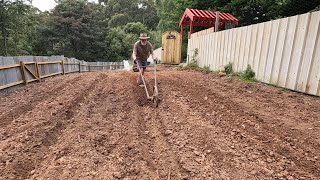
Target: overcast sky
x: 44, y: 5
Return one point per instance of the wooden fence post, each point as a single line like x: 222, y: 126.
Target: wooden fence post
x: 62, y: 65
x: 79, y: 67
x: 23, y: 72
x: 38, y: 71
x: 216, y: 28
x: 89, y: 67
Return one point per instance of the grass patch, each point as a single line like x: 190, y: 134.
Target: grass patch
x: 206, y: 69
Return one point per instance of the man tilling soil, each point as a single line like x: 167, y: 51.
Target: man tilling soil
x: 141, y: 52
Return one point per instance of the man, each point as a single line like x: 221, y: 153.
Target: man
x: 141, y: 52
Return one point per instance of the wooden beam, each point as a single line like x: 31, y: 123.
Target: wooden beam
x: 79, y: 67
x: 23, y: 72
x: 11, y: 84
x: 51, y: 62
x: 51, y: 75
x: 72, y: 72
x: 32, y: 80
x: 29, y: 63
x: 216, y: 28
x: 36, y: 71
x: 28, y: 70
x: 72, y: 64
x: 9, y: 66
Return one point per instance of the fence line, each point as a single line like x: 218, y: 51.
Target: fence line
x: 283, y: 52
x: 15, y: 71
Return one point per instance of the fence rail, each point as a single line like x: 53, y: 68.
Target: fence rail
x: 283, y: 52
x: 16, y: 71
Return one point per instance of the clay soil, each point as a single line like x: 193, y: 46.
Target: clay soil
x: 100, y: 126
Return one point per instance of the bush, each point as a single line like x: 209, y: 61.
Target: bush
x: 228, y: 68
x: 248, y: 75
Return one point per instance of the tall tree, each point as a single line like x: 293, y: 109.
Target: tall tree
x: 75, y: 29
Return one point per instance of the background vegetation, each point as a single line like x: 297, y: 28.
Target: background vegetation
x: 106, y: 31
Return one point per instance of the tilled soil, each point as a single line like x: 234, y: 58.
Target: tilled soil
x: 100, y: 126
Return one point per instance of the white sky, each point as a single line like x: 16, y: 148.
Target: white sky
x: 46, y: 5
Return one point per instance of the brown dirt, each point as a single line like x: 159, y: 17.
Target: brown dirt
x: 100, y: 126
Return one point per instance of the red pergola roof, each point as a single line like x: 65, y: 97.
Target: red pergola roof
x: 194, y: 17
x: 205, y: 18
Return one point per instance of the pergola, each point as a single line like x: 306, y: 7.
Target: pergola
x: 204, y: 18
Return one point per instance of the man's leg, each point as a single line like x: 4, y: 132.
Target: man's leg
x: 139, y: 80
x: 142, y: 65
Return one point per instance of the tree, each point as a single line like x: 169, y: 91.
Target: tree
x: 18, y: 24
x: 75, y: 29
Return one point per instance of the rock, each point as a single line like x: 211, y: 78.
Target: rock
x: 269, y: 160
x: 197, y: 153
x: 209, y: 151
x: 206, y: 98
x: 146, y: 132
x: 33, y: 171
x: 198, y: 160
x: 268, y: 172
x: 271, y: 154
x: 117, y: 175
x: 168, y: 132
x: 254, y: 172
x: 232, y: 147
x: 221, y: 74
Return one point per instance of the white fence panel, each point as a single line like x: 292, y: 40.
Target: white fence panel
x: 284, y: 52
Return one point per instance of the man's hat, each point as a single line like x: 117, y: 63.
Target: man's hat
x: 143, y: 36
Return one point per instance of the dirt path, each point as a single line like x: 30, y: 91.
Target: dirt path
x: 100, y: 126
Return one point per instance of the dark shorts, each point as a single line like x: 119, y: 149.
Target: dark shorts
x: 142, y: 63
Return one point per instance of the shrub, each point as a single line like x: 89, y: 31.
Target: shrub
x: 228, y: 69
x: 248, y: 75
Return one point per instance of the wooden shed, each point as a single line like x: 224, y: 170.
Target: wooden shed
x: 171, y: 48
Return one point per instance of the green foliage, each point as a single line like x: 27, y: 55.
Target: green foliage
x: 77, y: 28
x: 107, y: 30
x: 248, y: 75
x: 206, y: 69
x: 228, y: 68
x: 192, y: 66
x: 194, y: 56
